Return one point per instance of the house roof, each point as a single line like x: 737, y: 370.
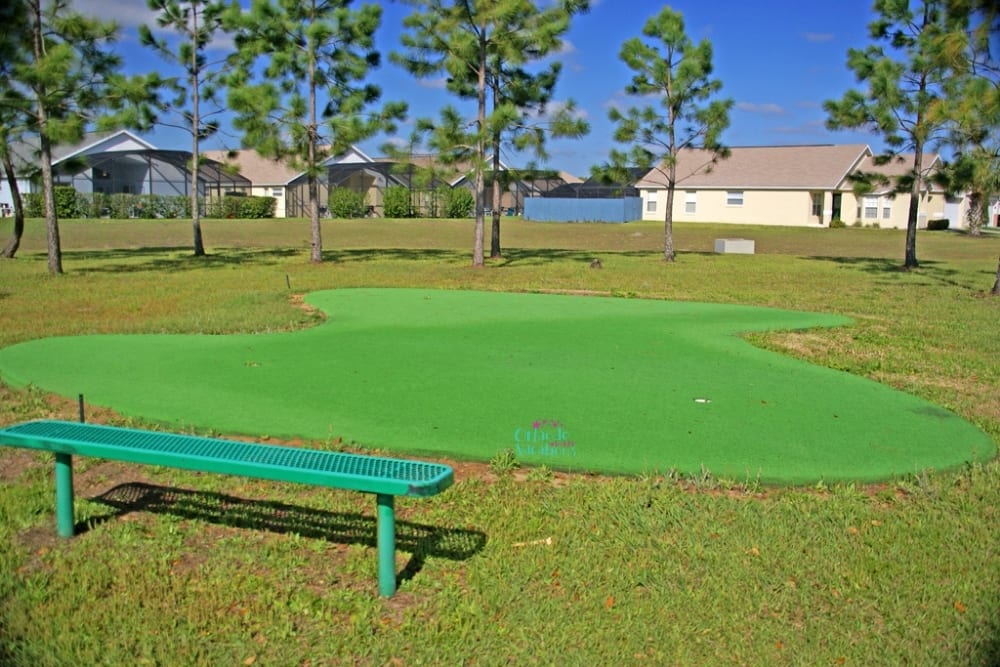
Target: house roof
x: 820, y: 167
x: 25, y: 151
x: 900, y: 166
x: 260, y: 170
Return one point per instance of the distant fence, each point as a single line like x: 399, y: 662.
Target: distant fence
x: 551, y: 209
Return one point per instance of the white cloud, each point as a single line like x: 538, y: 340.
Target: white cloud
x: 767, y: 109
x: 566, y: 48
x: 130, y: 14
x: 439, y: 83
x: 812, y: 128
x: 817, y: 37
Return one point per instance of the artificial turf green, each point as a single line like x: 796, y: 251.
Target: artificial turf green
x: 581, y: 383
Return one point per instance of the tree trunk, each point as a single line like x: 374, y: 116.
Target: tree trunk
x: 996, y: 285
x: 480, y: 184
x: 910, y: 255
x: 316, y: 254
x: 976, y: 214
x: 199, y: 246
x: 48, y: 194
x: 668, y: 220
x: 45, y: 150
x: 15, y: 238
x: 668, y: 215
x: 495, y: 250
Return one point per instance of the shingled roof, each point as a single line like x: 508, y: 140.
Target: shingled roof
x: 819, y: 167
x: 260, y: 170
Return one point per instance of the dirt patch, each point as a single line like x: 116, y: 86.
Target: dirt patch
x: 16, y: 462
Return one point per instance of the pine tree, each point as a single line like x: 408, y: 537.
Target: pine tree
x: 71, y: 82
x: 669, y: 66
x: 310, y: 100
x: 971, y: 108
x: 489, y: 50
x: 13, y: 109
x: 904, y: 75
x: 197, y: 21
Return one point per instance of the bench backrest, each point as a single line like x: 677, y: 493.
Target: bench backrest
x: 371, y: 474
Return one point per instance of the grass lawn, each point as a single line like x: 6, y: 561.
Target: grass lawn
x: 512, y: 565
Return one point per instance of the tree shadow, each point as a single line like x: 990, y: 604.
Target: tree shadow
x: 408, y: 254
x: 538, y: 256
x: 124, y: 260
x: 418, y: 539
x: 892, y: 270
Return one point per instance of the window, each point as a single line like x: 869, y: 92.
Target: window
x: 886, y: 211
x: 690, y: 202
x: 817, y: 204
x: 871, y: 208
x: 734, y: 198
x: 277, y: 192
x: 651, y: 202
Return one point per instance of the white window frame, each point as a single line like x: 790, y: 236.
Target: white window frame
x: 869, y: 206
x: 651, y: 201
x: 734, y: 197
x: 816, y: 204
x: 691, y: 201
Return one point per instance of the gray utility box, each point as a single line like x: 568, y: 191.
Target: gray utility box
x: 734, y: 246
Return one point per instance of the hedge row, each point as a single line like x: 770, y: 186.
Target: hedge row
x: 443, y: 202
x: 73, y: 204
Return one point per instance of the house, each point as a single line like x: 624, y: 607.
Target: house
x: 267, y: 177
x: 792, y: 186
x: 353, y: 170
x: 121, y: 163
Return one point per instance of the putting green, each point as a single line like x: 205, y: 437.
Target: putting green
x: 581, y: 383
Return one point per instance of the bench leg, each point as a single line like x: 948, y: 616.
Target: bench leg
x: 64, y: 495
x: 386, y: 545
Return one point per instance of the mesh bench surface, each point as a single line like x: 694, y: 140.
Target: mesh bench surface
x: 371, y: 474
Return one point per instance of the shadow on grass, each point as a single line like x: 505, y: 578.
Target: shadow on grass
x: 930, y: 270
x: 418, y: 539
x: 988, y: 652
x: 405, y: 254
x: 173, y: 259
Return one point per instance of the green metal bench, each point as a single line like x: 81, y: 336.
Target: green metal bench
x: 384, y: 477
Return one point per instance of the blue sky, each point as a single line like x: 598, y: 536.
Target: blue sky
x: 777, y: 59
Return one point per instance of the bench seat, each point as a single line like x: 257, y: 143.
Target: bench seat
x: 385, y: 477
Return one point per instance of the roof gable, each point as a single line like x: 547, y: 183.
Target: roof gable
x: 121, y: 141
x: 352, y: 156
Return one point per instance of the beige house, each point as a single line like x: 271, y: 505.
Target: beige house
x: 796, y: 186
x: 268, y: 178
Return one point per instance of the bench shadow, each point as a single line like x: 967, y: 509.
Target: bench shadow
x: 417, y: 539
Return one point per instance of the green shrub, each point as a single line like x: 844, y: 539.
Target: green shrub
x: 396, y: 203
x: 837, y: 223
x: 34, y: 207
x: 239, y: 205
x: 257, y: 207
x: 119, y: 205
x: 937, y: 224
x: 345, y: 203
x: 460, y: 203
x: 65, y: 198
